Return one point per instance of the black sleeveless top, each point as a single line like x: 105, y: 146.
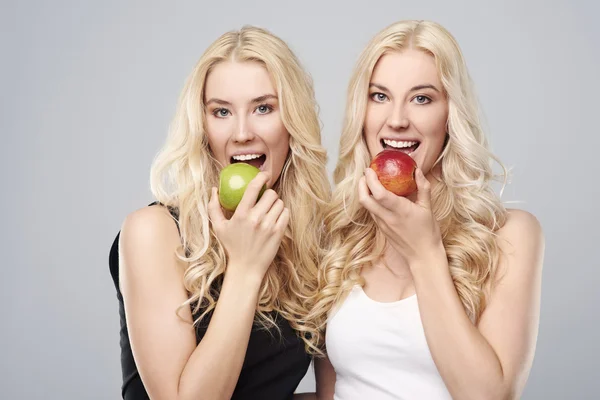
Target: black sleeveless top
x: 273, y: 366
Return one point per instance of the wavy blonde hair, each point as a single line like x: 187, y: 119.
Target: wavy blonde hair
x: 185, y: 170
x: 465, y: 205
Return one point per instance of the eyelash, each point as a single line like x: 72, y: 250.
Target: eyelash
x: 268, y: 106
x: 216, y: 111
x: 425, y: 97
x: 377, y: 94
x: 428, y: 99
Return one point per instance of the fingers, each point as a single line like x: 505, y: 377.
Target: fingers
x: 215, y: 213
x: 282, y: 221
x: 271, y: 217
x: 368, y: 202
x: 266, y: 202
x: 252, y: 190
x: 380, y: 194
x: 423, y: 189
x: 384, y: 197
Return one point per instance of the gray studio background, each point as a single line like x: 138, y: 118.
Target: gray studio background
x: 88, y: 89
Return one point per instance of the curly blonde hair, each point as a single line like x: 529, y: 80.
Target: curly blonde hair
x: 465, y: 205
x: 185, y: 170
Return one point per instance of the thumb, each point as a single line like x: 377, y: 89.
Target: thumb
x: 423, y: 189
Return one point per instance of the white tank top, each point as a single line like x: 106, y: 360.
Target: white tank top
x: 379, y: 351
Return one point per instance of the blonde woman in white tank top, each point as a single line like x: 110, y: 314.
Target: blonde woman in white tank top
x: 435, y: 295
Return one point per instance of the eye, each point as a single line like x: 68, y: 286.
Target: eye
x: 422, y: 99
x: 264, y: 109
x: 221, y: 112
x: 379, y: 97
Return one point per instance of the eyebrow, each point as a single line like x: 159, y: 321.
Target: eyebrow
x: 264, y: 97
x: 218, y: 101
x: 259, y: 99
x: 413, y: 89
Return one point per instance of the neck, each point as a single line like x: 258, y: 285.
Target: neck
x: 395, y: 262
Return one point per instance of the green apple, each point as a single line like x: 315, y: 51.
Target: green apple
x: 233, y: 181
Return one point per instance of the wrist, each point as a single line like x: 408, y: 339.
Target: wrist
x: 242, y: 277
x: 434, y: 258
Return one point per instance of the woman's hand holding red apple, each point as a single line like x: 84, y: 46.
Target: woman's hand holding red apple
x: 410, y: 227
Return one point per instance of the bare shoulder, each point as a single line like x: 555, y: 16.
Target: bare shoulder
x: 149, y: 223
x: 521, y: 240
x: 149, y: 230
x: 521, y: 226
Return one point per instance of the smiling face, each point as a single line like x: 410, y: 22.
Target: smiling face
x: 407, y: 108
x: 243, y: 118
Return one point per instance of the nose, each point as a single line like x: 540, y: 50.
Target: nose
x: 397, y: 119
x: 243, y: 132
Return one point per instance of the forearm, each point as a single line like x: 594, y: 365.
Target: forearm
x: 466, y: 361
x: 213, y: 369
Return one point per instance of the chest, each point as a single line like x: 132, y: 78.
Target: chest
x: 264, y: 346
x: 387, y: 285
x: 367, y: 332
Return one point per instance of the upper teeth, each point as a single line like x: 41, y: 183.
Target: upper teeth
x: 400, y: 144
x: 246, y: 157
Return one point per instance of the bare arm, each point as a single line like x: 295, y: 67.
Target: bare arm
x: 492, y: 360
x: 325, y: 381
x: 170, y: 364
x: 305, y: 396
x: 488, y: 361
x: 325, y: 378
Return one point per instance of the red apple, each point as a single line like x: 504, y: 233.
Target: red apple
x: 396, y: 171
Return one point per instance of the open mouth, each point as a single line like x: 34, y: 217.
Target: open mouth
x: 407, y: 147
x: 256, y: 160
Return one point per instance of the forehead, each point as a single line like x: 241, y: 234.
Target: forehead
x: 401, y: 69
x: 233, y: 80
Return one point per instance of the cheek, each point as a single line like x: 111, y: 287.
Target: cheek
x: 277, y: 140
x: 281, y: 143
x: 374, y: 120
x: 372, y: 123
x: 272, y: 131
x: 216, y: 133
x: 432, y: 124
x: 215, y: 127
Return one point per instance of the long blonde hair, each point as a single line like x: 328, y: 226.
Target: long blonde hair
x: 185, y: 170
x: 466, y: 207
